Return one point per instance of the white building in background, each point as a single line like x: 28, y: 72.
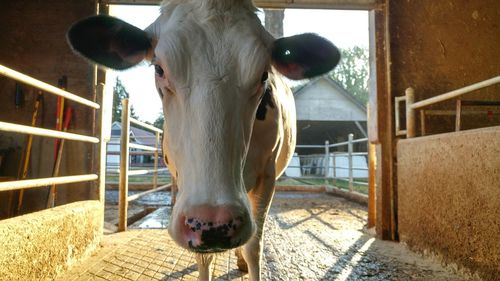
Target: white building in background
x: 326, y: 111
x: 138, y: 136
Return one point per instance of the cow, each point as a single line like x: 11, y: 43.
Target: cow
x: 230, y: 126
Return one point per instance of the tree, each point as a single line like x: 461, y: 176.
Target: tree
x: 274, y: 21
x: 352, y: 72
x: 158, y: 123
x: 120, y: 93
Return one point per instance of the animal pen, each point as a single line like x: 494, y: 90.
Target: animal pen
x: 29, y: 130
x: 436, y: 178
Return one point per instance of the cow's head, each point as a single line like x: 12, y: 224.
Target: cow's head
x: 212, y: 60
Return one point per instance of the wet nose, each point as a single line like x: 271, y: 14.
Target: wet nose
x: 214, y: 229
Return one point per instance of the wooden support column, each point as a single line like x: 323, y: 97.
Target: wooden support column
x: 124, y: 166
x: 382, y: 127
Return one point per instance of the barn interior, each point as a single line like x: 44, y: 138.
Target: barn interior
x: 437, y: 190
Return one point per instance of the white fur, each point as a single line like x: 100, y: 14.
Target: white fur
x: 214, y: 53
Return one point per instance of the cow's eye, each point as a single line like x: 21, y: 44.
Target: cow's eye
x: 159, y: 71
x: 265, y: 75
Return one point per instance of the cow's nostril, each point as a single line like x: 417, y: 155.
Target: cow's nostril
x: 209, y: 236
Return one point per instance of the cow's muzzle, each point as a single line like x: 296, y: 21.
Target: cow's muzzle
x: 210, y: 229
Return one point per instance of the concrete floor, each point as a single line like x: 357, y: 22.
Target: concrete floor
x: 309, y: 237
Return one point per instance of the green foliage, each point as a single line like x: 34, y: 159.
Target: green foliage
x: 120, y: 93
x: 158, y: 123
x: 352, y: 72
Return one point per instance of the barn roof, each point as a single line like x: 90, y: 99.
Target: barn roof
x: 334, y: 84
x: 139, y: 136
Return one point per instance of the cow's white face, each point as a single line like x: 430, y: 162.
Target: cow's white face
x: 211, y: 72
x: 211, y: 60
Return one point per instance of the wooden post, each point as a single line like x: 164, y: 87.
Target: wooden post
x: 410, y: 113
x: 458, y: 116
x: 371, y: 185
x: 334, y: 162
x: 422, y: 122
x: 155, y: 173
x: 349, y: 151
x: 124, y: 166
x: 103, y: 138
x: 173, y: 192
x: 327, y: 160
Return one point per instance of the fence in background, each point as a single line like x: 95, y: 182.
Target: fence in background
x: 125, y: 171
x: 330, y: 166
x: 23, y: 184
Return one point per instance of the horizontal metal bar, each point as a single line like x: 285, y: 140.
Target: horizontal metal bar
x: 318, y: 178
x: 116, y: 140
x: 16, y: 128
x: 400, y: 98
x: 134, y: 153
x: 329, y: 167
x: 401, y: 133
x: 45, y: 87
x: 339, y: 144
x: 137, y: 172
x: 456, y: 93
x: 336, y: 154
x: 143, y: 147
x: 347, y: 178
x: 330, y: 145
x: 138, y: 195
x: 144, y: 125
x: 23, y: 184
x: 360, y: 183
x: 360, y: 140
x: 359, y: 153
x: 144, y: 171
x: 309, y: 146
x: 311, y: 156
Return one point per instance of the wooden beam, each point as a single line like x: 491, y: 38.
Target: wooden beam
x: 124, y: 166
x: 302, y: 4
x: 372, y: 213
x: 386, y: 193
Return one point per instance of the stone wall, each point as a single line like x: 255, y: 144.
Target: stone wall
x: 41, y: 245
x: 449, y: 197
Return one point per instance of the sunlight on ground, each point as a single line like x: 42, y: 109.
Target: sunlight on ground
x: 354, y: 261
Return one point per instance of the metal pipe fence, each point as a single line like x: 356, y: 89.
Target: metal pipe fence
x: 125, y: 171
x: 331, y: 166
x: 412, y: 106
x: 23, y: 184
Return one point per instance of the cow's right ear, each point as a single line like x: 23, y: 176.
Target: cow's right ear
x: 109, y: 41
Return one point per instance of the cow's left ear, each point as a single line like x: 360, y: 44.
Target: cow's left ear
x: 109, y: 41
x: 304, y: 56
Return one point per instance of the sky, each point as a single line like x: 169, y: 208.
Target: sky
x: 344, y: 28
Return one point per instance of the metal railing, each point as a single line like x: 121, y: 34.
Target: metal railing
x: 125, y: 171
x: 23, y: 184
x: 412, y: 106
x: 326, y: 166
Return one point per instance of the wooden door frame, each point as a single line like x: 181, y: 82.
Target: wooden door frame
x: 381, y: 105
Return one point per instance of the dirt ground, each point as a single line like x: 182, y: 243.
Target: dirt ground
x: 308, y: 237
